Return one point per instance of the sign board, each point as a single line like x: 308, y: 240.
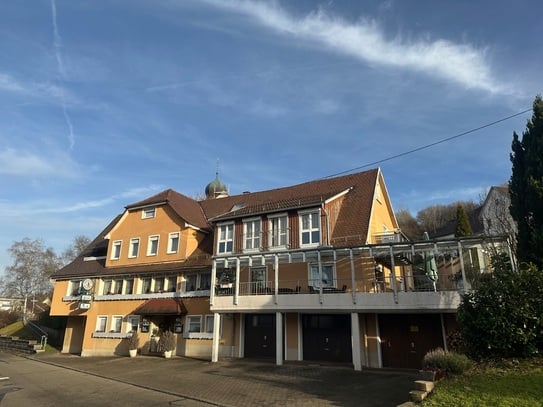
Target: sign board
x: 86, y: 297
x: 84, y: 305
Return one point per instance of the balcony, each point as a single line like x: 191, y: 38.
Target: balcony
x: 386, y: 277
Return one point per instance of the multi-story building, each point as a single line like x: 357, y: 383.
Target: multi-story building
x: 317, y: 271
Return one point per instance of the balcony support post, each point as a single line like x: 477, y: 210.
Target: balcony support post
x: 276, y: 277
x: 355, y: 341
x: 320, y: 276
x: 216, y: 337
x: 236, y: 285
x: 278, y: 338
x: 213, y: 281
x: 353, y: 282
x: 462, y: 269
x: 393, y: 275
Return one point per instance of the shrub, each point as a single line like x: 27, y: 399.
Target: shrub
x: 133, y: 341
x: 451, y: 363
x: 167, y: 341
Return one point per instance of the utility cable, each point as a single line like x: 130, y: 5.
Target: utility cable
x: 392, y: 157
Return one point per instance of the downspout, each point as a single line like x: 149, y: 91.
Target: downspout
x: 327, y: 220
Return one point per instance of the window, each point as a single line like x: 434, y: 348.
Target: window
x: 116, y: 249
x: 328, y: 275
x: 101, y: 323
x: 152, y: 245
x: 173, y: 242
x: 134, y: 247
x: 209, y: 324
x: 146, y: 285
x: 107, y: 287
x: 310, y: 234
x: 194, y: 323
x: 191, y: 282
x: 159, y: 285
x: 147, y: 213
x: 116, y: 323
x: 226, y: 238
x: 118, y: 287
x: 133, y: 323
x: 129, y: 286
x: 75, y: 288
x: 171, y: 284
x: 277, y: 232
x: 251, y: 234
x: 205, y: 281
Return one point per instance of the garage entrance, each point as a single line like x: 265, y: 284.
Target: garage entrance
x: 327, y: 338
x: 260, y: 336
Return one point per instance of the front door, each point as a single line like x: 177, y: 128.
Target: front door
x: 405, y: 339
x: 327, y: 338
x: 260, y: 336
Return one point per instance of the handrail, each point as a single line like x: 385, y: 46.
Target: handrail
x: 37, y: 331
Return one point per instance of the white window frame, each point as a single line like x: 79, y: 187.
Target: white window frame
x: 132, y: 320
x: 167, y: 281
x: 125, y: 286
x: 100, y: 318
x: 150, y: 241
x: 171, y: 237
x: 313, y: 275
x: 228, y: 238
x: 104, y: 291
x: 114, y: 319
x: 280, y: 232
x: 207, y: 318
x: 188, y: 322
x: 133, y: 241
x: 117, y: 244
x: 252, y: 239
x: 311, y: 213
x: 74, y: 285
x: 115, y: 286
x: 148, y: 213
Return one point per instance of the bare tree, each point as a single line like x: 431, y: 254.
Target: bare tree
x: 408, y: 224
x: 77, y: 246
x: 33, y: 263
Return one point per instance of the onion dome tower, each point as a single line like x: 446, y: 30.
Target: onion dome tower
x: 216, y: 189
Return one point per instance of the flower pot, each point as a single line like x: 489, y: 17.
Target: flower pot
x: 167, y: 354
x: 133, y: 352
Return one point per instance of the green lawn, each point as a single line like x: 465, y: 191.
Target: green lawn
x: 504, y: 384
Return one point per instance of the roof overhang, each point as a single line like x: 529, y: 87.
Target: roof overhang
x: 161, y: 306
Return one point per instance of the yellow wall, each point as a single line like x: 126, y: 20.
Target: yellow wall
x: 382, y: 214
x: 166, y: 221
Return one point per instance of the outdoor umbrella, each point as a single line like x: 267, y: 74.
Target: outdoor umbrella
x: 430, y: 267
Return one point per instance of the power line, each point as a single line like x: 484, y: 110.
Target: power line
x: 392, y: 157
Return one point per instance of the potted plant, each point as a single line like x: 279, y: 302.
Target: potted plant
x: 167, y: 343
x: 133, y: 343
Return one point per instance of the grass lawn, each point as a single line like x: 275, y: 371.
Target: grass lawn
x: 504, y: 384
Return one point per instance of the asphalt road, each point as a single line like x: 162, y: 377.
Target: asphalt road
x: 24, y: 382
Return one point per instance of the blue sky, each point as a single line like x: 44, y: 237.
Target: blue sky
x: 104, y: 103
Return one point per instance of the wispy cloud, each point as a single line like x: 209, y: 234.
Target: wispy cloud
x: 28, y: 164
x: 57, y: 44
x: 365, y: 40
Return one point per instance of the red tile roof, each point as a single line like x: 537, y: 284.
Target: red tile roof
x: 161, y: 306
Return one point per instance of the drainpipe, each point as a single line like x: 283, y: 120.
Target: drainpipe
x: 327, y: 220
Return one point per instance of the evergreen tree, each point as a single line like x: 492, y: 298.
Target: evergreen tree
x: 526, y: 187
x: 463, y: 227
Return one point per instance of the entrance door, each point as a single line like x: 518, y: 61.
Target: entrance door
x: 260, y: 336
x: 327, y: 338
x: 405, y: 339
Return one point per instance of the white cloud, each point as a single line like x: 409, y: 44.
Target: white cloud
x: 365, y: 41
x: 28, y: 164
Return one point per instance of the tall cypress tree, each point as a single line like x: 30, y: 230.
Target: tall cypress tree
x: 463, y: 227
x: 526, y: 187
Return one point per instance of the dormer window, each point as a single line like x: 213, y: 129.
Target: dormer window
x: 251, y: 234
x: 148, y: 213
x: 310, y: 230
x: 225, y: 242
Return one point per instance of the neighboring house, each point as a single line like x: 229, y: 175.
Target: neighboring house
x: 495, y: 215
x: 11, y: 304
x: 317, y: 272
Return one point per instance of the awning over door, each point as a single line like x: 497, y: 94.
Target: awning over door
x: 162, y: 306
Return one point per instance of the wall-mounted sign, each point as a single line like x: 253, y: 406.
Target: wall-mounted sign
x: 86, y: 297
x: 145, y: 326
x: 84, y: 305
